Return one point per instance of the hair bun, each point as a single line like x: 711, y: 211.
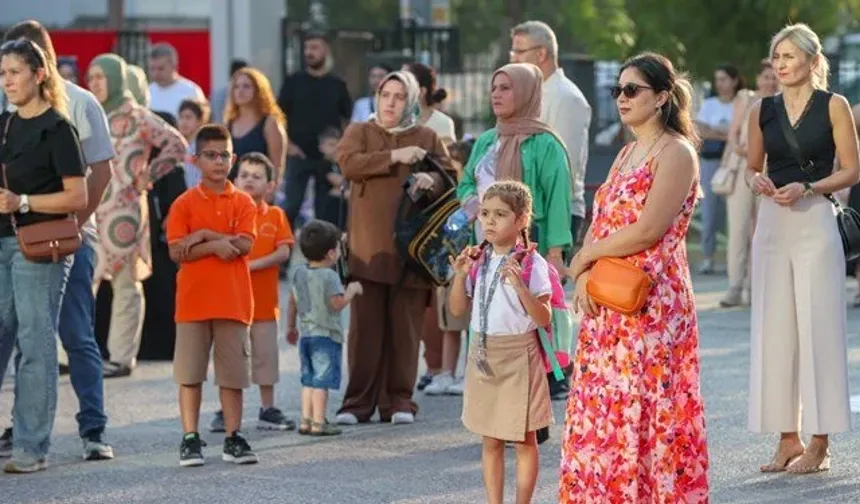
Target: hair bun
x: 440, y: 95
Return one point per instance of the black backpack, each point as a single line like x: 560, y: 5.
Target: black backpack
x: 421, y: 235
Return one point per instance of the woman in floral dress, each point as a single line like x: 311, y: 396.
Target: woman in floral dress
x: 635, y: 430
x: 122, y: 217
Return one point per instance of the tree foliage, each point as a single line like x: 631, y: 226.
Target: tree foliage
x: 695, y: 34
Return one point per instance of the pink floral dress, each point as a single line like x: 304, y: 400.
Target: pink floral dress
x: 635, y: 425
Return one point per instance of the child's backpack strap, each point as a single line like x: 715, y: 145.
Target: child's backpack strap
x: 545, y: 334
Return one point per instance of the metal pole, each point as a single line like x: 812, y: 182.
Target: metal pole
x: 116, y: 14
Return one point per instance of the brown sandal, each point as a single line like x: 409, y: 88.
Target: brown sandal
x: 782, y: 459
x: 324, y: 429
x: 305, y: 426
x: 810, y: 463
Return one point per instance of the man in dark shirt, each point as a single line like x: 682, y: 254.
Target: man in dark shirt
x: 314, y: 100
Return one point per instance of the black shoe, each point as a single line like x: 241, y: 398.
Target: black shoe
x: 114, y: 370
x: 238, y: 451
x: 191, y: 451
x: 6, y: 443
x: 424, y: 381
x: 64, y: 369
x: 558, y: 390
x: 542, y: 435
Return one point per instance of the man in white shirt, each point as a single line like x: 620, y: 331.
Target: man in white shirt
x: 565, y: 109
x: 77, y: 332
x: 168, y: 89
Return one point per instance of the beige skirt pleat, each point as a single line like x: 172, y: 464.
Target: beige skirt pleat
x: 513, y: 397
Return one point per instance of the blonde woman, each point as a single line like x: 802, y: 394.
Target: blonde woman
x: 798, y: 372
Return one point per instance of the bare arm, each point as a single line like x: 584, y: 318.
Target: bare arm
x: 847, y: 151
x: 458, y: 299
x: 292, y: 312
x: 73, y: 198
x: 538, y: 308
x: 340, y: 301
x: 673, y: 178
x: 279, y: 256
x: 276, y: 141
x: 97, y: 182
x: 755, y: 141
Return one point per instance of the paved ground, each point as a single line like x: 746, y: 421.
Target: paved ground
x: 433, y: 461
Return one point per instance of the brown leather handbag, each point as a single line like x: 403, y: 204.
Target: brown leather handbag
x: 618, y: 285
x: 47, y: 241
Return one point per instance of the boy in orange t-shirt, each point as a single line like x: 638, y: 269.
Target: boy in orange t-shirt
x: 210, y: 230
x: 256, y: 177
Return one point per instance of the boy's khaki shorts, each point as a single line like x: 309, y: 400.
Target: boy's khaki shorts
x: 264, y: 353
x: 232, y: 356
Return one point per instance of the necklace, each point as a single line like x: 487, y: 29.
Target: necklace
x: 628, y: 166
x: 484, y: 299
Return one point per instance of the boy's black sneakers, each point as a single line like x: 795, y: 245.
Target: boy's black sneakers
x: 191, y: 451
x: 238, y: 451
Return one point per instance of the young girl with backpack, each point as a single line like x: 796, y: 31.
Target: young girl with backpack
x: 512, y: 291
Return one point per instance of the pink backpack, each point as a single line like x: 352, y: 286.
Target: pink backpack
x: 554, y: 357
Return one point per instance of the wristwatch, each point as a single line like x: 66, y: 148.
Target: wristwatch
x: 807, y: 189
x: 24, y: 205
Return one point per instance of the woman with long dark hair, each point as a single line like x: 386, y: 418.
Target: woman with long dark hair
x: 635, y: 427
x: 42, y: 180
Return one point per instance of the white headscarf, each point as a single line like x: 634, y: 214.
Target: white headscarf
x: 413, y: 94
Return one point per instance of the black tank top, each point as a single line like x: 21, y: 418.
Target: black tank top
x: 252, y: 141
x: 814, y: 133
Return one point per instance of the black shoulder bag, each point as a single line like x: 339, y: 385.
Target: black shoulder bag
x: 847, y: 219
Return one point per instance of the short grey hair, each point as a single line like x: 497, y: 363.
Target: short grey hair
x: 162, y: 50
x: 542, y: 35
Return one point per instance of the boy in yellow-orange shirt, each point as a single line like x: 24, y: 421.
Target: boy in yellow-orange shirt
x: 271, y: 248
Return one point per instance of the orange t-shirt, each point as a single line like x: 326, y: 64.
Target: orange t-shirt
x: 209, y: 288
x: 273, y: 230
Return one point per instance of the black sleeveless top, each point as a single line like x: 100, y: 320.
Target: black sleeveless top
x: 252, y: 141
x: 814, y: 133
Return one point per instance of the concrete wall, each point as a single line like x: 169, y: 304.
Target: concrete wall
x: 248, y: 29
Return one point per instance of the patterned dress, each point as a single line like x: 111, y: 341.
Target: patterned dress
x: 122, y: 216
x: 635, y: 426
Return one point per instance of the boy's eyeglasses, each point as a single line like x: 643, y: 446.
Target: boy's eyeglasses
x: 629, y: 90
x: 214, y: 156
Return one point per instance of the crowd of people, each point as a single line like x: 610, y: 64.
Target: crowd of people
x: 261, y: 175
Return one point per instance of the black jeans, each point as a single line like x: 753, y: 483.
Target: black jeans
x: 299, y: 171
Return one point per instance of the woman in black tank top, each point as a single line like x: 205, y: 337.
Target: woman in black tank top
x: 254, y: 119
x: 798, y: 347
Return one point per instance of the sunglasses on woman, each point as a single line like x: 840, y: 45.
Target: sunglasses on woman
x: 630, y: 90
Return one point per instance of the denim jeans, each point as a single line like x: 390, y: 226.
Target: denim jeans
x: 30, y: 297
x: 79, y: 340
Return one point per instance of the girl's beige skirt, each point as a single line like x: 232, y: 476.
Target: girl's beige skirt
x: 513, y: 397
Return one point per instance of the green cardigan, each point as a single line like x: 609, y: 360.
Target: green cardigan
x: 546, y: 171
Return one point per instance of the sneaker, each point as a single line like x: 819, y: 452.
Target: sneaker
x: 191, y: 451
x: 542, y: 435
x: 558, y: 390
x: 402, y: 417
x: 731, y: 299
x: 272, y: 418
x: 6, y: 443
x: 25, y: 464
x: 238, y: 451
x: 456, y: 388
x: 424, y: 381
x: 706, y: 267
x: 96, y: 449
x: 115, y: 370
x: 217, y: 424
x: 346, y: 419
x: 439, y: 385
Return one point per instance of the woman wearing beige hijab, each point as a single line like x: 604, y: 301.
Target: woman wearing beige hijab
x: 523, y: 148
x: 377, y: 157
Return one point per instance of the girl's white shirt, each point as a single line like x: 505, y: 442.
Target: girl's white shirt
x: 506, y: 316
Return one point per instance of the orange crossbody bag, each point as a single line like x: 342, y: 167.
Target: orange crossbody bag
x: 618, y: 285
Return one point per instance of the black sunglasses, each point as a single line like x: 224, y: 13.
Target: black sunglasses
x: 630, y: 90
